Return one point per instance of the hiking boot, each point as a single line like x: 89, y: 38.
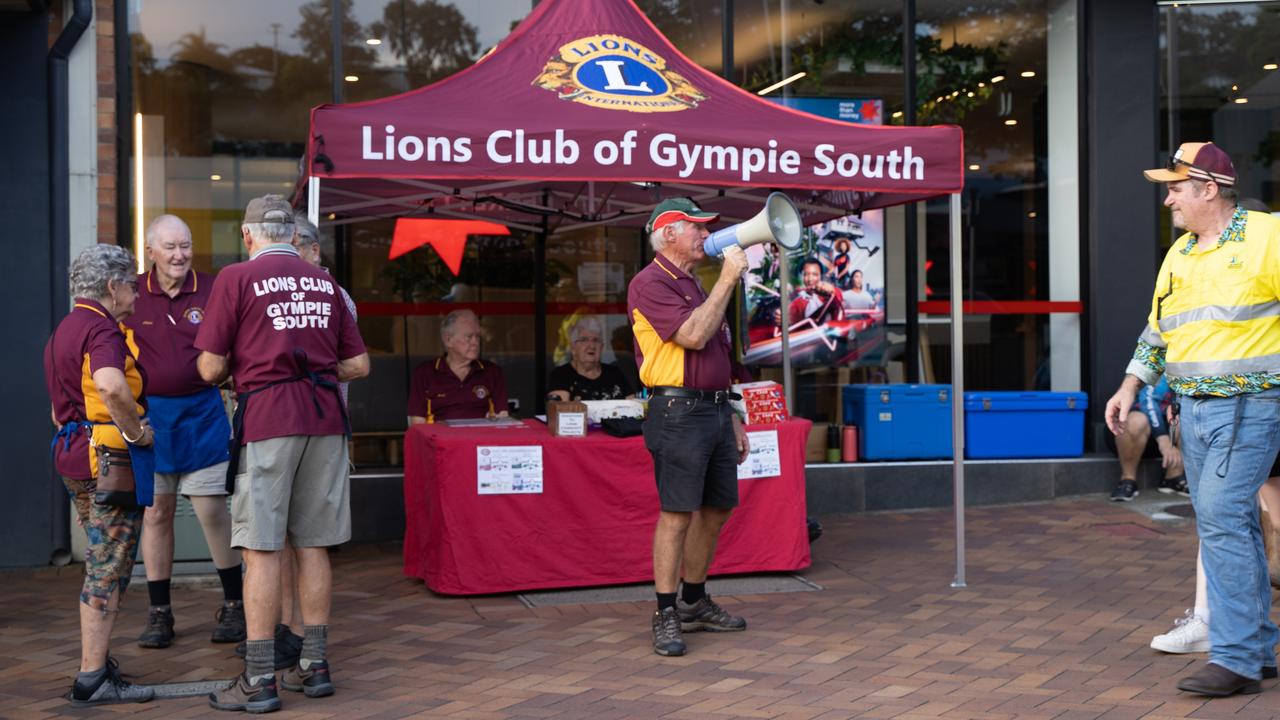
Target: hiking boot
x: 1125, y: 491
x: 288, y: 648
x: 313, y: 682
x: 1174, y: 485
x: 1190, y: 634
x: 667, y: 639
x: 230, y: 627
x: 706, y: 615
x: 259, y: 697
x: 110, y: 688
x: 159, y: 630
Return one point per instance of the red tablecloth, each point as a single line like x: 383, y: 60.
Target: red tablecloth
x: 593, y: 522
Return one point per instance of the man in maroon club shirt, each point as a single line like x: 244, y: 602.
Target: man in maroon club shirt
x: 289, y: 340
x: 191, y: 430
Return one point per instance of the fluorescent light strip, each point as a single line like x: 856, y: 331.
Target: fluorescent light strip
x: 140, y: 237
x: 782, y: 83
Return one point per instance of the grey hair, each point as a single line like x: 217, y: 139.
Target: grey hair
x: 97, y: 265
x: 303, y: 227
x: 153, y: 229
x: 446, y: 327
x: 1227, y: 193
x: 586, y: 322
x: 656, y: 241
x: 270, y: 232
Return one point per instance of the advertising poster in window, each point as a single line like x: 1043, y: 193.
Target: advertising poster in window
x: 835, y: 300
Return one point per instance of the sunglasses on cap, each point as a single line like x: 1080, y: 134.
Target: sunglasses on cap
x: 1204, y: 175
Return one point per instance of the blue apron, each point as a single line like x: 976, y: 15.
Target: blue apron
x: 143, y: 460
x: 191, y: 431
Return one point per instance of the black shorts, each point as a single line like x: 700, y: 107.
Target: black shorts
x: 695, y: 455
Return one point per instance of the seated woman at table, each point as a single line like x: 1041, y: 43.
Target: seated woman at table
x: 458, y: 384
x: 585, y: 377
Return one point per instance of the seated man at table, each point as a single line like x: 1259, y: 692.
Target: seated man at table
x: 584, y: 377
x: 457, y: 384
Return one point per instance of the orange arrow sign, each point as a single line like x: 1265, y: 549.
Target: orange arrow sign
x: 448, y: 237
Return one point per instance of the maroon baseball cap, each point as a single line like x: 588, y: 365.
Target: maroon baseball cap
x: 1199, y: 161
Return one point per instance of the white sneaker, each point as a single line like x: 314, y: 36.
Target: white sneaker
x: 1190, y: 634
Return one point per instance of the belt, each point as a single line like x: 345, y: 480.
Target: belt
x: 715, y: 396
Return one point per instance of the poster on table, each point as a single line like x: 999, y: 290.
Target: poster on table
x: 509, y: 469
x: 763, y: 461
x: 836, y: 289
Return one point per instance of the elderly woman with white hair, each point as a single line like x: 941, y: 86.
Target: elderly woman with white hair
x: 96, y: 390
x: 585, y: 377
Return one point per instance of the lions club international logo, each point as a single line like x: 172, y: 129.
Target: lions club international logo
x: 481, y: 391
x: 194, y: 315
x: 614, y: 73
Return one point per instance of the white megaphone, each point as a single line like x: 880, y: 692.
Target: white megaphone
x: 778, y: 222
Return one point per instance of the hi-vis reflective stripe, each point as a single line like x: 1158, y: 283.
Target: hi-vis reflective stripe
x: 1225, y: 313
x: 1201, y: 368
x: 1152, y: 337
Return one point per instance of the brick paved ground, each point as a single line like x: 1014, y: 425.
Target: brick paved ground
x: 1063, y: 599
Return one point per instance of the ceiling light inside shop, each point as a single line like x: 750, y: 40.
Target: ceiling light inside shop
x: 215, y: 177
x: 997, y: 79
x: 782, y: 83
x: 1270, y: 66
x: 898, y: 114
x: 1028, y: 73
x: 969, y: 94
x: 975, y: 166
x: 373, y: 41
x: 352, y: 78
x: 1234, y: 87
x: 1010, y: 122
x: 982, y: 84
x: 1032, y: 214
x: 1241, y: 101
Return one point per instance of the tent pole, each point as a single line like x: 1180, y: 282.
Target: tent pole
x: 957, y: 386
x: 784, y: 270
x: 313, y: 200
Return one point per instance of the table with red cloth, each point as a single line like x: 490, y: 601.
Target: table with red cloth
x: 593, y: 522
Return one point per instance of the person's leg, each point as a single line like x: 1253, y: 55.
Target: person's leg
x: 700, y: 542
x: 1202, y: 592
x: 1132, y: 444
x: 261, y: 593
x: 112, y: 534
x: 1129, y: 449
x: 1228, y: 445
x: 290, y: 612
x: 720, y: 495
x: 215, y: 521
x: 157, y: 557
x: 669, y: 540
x: 1190, y: 633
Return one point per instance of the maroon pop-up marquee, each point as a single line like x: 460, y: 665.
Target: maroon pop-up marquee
x: 586, y: 115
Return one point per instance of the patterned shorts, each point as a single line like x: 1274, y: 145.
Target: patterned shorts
x: 113, y: 544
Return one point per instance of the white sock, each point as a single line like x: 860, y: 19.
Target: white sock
x: 1203, y: 614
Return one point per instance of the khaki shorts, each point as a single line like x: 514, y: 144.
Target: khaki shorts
x: 205, y: 481
x: 299, y: 486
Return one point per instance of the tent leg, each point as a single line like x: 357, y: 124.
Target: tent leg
x: 788, y: 383
x: 957, y: 386
x: 313, y: 200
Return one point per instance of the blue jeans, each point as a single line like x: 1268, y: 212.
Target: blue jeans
x: 1228, y: 445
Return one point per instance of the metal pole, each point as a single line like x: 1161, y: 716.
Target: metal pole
x: 957, y: 386
x: 726, y: 40
x: 784, y: 267
x: 911, y: 305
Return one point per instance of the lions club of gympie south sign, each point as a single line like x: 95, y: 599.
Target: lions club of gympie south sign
x: 614, y: 73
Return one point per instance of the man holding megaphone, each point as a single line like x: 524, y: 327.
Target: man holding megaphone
x: 683, y: 350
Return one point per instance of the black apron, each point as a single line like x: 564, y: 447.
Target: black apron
x: 317, y: 380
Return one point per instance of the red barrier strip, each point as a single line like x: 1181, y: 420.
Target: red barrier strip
x: 1005, y: 307
x: 383, y: 309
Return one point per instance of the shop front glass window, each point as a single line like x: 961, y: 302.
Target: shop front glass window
x: 1220, y: 82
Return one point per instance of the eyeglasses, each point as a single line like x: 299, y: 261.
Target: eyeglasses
x: 593, y: 341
